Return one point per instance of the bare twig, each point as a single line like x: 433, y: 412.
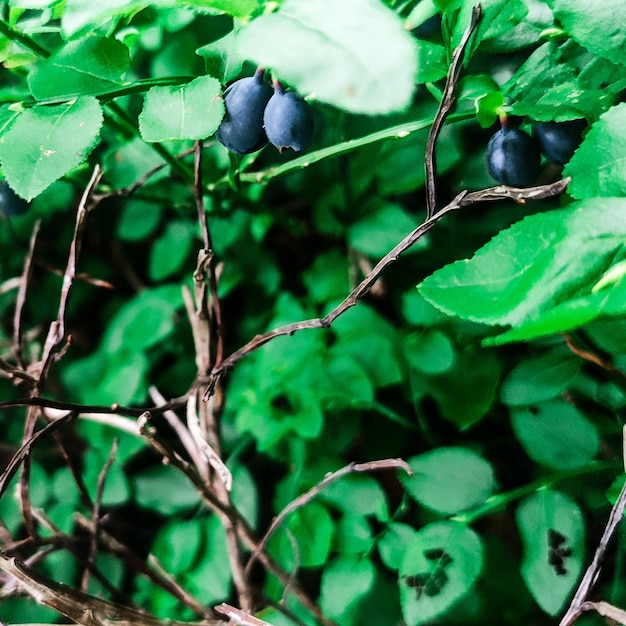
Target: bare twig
x: 20, y: 456
x: 306, y: 497
x: 591, y: 357
x: 21, y: 297
x: 238, y: 617
x: 95, y: 514
x: 577, y: 606
x: 445, y: 106
x: 463, y: 199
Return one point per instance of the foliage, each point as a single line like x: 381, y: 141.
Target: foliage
x: 490, y: 356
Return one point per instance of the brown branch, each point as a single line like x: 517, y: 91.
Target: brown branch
x: 306, y: 497
x: 20, y: 456
x: 464, y: 199
x: 591, y: 357
x: 445, y: 106
x: 577, y: 606
x: 21, y: 297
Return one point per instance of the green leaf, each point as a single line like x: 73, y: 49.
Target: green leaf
x: 562, y: 82
x: 305, y: 539
x: 128, y: 162
x: 345, y: 580
x: 139, y: 219
x: 598, y: 25
x: 432, y: 62
x: 532, y: 267
x: 358, y: 495
x: 332, y: 51
x: 431, y: 351
x: 556, y: 434
x: 178, y: 543
x: 538, y: 518
x: 382, y: 227
x: 144, y: 320
x: 540, y: 378
x: 437, y: 475
x: 165, y: 489
x: 191, y: 111
x: 465, y: 392
x: 439, y: 567
x: 488, y: 107
x: 171, y: 250
x: 597, y: 167
x: 87, y: 66
x: 394, y: 542
x: 353, y: 535
x: 46, y: 142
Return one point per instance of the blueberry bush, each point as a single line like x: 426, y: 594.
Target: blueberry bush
x: 345, y: 376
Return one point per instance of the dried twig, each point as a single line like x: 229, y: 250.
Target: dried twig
x: 463, y: 199
x: 306, y: 497
x: 445, y: 106
x: 594, y: 358
x: 239, y: 617
x: 578, y: 603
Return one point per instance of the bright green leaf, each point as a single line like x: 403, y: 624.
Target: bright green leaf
x: 357, y: 494
x: 598, y: 166
x: 598, y: 25
x: 394, y: 542
x: 191, y: 111
x: 549, y: 522
x: 46, y: 142
x: 87, y: 66
x: 488, y: 107
x: 538, y: 263
x: 555, y: 434
x: 437, y: 475
x: 439, y: 567
x: 332, y: 51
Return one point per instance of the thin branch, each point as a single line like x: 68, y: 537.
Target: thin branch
x: 444, y: 109
x: 463, y: 199
x: 306, y: 497
x: 21, y: 297
x: 95, y: 514
x: 20, y: 456
x: 591, y: 357
x: 577, y: 605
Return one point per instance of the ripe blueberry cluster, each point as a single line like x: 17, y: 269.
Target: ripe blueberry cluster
x: 10, y: 203
x: 256, y: 114
x: 514, y: 157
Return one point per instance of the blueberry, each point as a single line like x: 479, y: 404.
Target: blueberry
x: 513, y: 157
x: 241, y: 130
x: 559, y: 140
x: 288, y: 120
x: 10, y: 203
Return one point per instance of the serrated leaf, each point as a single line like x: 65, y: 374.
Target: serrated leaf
x: 437, y: 475
x: 332, y: 52
x: 598, y: 166
x: 539, y: 378
x: 555, y: 434
x: 46, y: 142
x: 87, y: 66
x: 440, y: 566
x: 598, y: 25
x: 191, y: 111
x: 534, y: 266
x: 545, y: 518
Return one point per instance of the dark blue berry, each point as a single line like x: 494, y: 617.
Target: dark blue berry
x: 241, y: 130
x: 288, y: 120
x: 513, y: 157
x: 10, y: 203
x: 559, y: 140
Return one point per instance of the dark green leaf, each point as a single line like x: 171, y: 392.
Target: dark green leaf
x: 311, y: 48
x: 165, y: 489
x: 556, y: 434
x: 171, y: 249
x: 437, y: 475
x: 430, y: 352
x: 439, y: 567
x: 549, y: 512
x: 539, y: 378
